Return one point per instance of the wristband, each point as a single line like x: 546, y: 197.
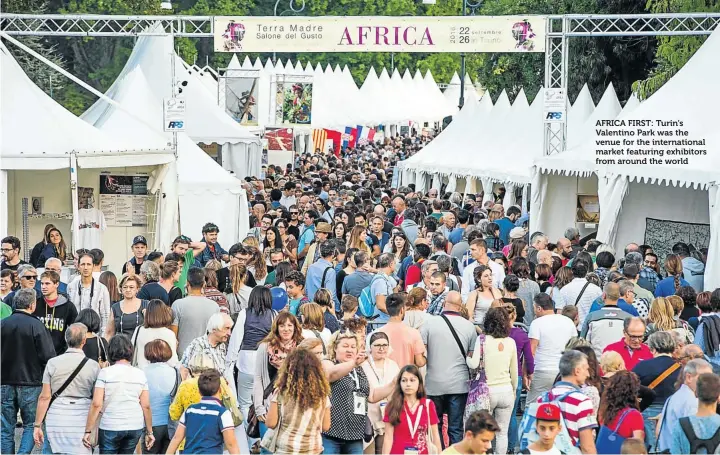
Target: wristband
x: 88, y: 432
x: 37, y: 425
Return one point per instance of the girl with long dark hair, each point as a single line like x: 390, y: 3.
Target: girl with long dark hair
x: 410, y: 418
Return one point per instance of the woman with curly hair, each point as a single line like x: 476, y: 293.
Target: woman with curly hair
x: 619, y: 407
x: 285, y: 334
x: 495, y: 351
x: 300, y: 405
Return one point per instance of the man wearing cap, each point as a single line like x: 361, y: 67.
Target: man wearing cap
x: 212, y: 250
x: 139, y: 249
x: 507, y: 223
x: 322, y: 232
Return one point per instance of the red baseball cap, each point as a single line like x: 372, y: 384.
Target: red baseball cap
x: 548, y: 411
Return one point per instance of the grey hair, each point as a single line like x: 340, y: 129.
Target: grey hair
x: 426, y: 266
x: 633, y: 258
x: 628, y: 321
x: 625, y: 286
x: 482, y: 224
x: 456, y: 198
x: 75, y: 334
x: 661, y: 342
x: 385, y: 260
x: 50, y: 260
x: 24, y: 299
x: 536, y: 237
x: 571, y: 233
x: 605, y: 247
x: 569, y: 361
x: 150, y: 270
x: 469, y: 230
x: 444, y: 262
x: 679, y: 338
x: 693, y: 366
x: 216, y: 322
x: 25, y: 268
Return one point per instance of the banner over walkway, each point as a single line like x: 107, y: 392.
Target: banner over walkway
x: 381, y: 34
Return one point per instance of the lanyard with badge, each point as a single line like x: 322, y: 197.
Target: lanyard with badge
x: 381, y: 382
x: 413, y: 428
x: 359, y: 401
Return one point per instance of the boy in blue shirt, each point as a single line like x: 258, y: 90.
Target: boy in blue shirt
x: 207, y: 425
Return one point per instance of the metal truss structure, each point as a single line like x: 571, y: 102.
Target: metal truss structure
x: 559, y: 30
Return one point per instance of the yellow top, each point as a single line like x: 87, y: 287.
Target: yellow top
x: 188, y: 394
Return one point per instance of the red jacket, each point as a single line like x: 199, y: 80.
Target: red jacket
x: 631, y: 356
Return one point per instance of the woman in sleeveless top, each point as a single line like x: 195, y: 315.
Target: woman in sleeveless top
x: 480, y: 299
x: 129, y: 313
x: 350, y: 393
x: 283, y: 338
x: 252, y: 326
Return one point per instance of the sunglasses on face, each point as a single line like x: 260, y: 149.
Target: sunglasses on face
x: 30, y: 277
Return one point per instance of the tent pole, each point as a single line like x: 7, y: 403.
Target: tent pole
x: 80, y: 82
x: 74, y: 201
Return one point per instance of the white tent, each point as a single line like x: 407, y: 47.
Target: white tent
x: 452, y: 91
x: 629, y: 194
x: 206, y: 191
x: 205, y: 121
x: 41, y: 138
x: 578, y: 114
x: 439, y: 104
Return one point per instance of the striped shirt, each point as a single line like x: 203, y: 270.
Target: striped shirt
x: 204, y: 424
x: 576, y: 408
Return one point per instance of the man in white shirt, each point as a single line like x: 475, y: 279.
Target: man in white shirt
x: 87, y: 292
x: 549, y: 333
x: 580, y: 292
x: 288, y: 197
x: 478, y: 250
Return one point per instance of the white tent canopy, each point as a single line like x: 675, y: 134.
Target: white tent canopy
x: 205, y: 191
x: 205, y: 121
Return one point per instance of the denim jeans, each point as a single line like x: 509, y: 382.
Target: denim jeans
x: 118, y: 442
x: 454, y: 406
x: 333, y: 446
x: 24, y: 399
x: 652, y: 411
x: 513, y: 429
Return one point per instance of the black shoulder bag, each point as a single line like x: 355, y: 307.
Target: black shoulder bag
x: 68, y: 381
x: 457, y: 340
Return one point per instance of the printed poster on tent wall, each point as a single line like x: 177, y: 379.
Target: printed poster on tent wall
x: 241, y: 92
x: 293, y: 100
x: 279, y: 139
x: 661, y: 235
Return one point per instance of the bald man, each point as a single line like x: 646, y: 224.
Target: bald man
x: 447, y: 373
x: 605, y: 326
x: 564, y: 249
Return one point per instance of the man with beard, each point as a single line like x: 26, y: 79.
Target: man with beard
x: 565, y: 249
x: 11, y: 254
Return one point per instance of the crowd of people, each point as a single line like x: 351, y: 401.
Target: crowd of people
x: 360, y: 318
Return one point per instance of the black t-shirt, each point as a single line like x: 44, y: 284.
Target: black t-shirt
x: 545, y: 286
x: 6, y: 266
x: 224, y: 284
x: 294, y: 231
x: 137, y: 267
x: 519, y: 307
x: 689, y: 312
x: 174, y: 294
x: 153, y: 290
x: 94, y: 350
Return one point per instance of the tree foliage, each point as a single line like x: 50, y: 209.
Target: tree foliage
x: 597, y: 61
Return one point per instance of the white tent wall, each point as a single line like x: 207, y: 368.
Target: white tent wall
x: 661, y: 202
x: 4, y: 205
x: 712, y: 267
x: 554, y: 201
x: 53, y: 186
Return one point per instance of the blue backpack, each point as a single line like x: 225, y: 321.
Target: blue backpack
x: 527, y: 431
x: 609, y: 441
x: 366, y: 303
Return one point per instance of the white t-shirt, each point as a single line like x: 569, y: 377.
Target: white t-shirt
x: 91, y: 222
x: 553, y: 331
x: 123, y: 385
x: 324, y: 335
x: 553, y: 451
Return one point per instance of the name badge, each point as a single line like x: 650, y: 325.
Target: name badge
x: 359, y: 403
x: 411, y: 451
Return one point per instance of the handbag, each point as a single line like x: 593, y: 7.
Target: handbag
x: 478, y: 398
x: 234, y: 410
x: 431, y: 446
x: 609, y: 441
x: 253, y: 427
x: 269, y: 441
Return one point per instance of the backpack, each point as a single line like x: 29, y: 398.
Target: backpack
x: 366, y: 304
x: 711, y: 445
x: 527, y: 433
